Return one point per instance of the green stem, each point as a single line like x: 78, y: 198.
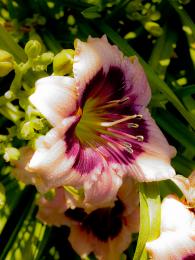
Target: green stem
x: 8, y: 44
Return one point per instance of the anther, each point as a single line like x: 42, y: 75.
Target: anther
x: 140, y: 138
x: 128, y: 147
x: 139, y: 116
x: 132, y: 125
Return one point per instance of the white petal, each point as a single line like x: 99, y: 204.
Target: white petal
x: 150, y: 168
x: 175, y: 216
x: 55, y: 97
x: 171, y: 245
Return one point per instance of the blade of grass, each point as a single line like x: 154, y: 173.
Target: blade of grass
x: 176, y: 129
x: 7, y: 43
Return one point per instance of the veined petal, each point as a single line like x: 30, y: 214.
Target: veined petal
x: 106, y: 231
x: 154, y: 163
x: 97, y: 55
x: 177, y: 238
x: 55, y: 97
x: 172, y: 245
x: 101, y: 187
x: 51, y: 211
x: 50, y: 162
x: 19, y: 170
x: 187, y: 186
x: 113, y: 248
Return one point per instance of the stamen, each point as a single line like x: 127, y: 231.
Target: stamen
x: 140, y: 138
x: 128, y: 147
x: 108, y: 124
x: 123, y: 100
x: 139, y: 116
x: 114, y: 103
x: 132, y: 125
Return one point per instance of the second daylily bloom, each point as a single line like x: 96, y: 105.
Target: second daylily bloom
x: 102, y: 130
x: 177, y: 238
x: 105, y: 231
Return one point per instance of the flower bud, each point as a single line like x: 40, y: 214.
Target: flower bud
x: 27, y: 131
x: 6, y: 63
x: 46, y: 58
x: 32, y: 49
x: 153, y: 28
x: 63, y: 62
x: 11, y: 154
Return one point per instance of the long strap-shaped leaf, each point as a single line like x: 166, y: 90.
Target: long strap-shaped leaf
x: 7, y: 43
x: 149, y: 217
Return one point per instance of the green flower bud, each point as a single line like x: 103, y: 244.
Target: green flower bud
x: 46, y: 58
x: 63, y: 62
x: 37, y: 123
x: 11, y: 154
x: 32, y: 49
x: 6, y: 63
x: 2, y: 196
x: 153, y: 28
x: 27, y: 131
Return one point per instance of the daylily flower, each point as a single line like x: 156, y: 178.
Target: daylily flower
x: 104, y: 231
x: 101, y: 128
x: 177, y: 238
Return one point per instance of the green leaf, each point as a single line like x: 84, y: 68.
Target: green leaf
x: 8, y: 44
x: 186, y: 91
x: 144, y: 224
x: 176, y: 129
x: 150, y: 217
x: 92, y: 12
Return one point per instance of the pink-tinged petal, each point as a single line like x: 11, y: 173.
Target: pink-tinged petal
x: 50, y: 162
x: 96, y: 239
x: 128, y: 193
x: 187, y: 186
x: 112, y: 249
x: 177, y: 238
x: 172, y: 245
x: 19, y: 170
x: 51, y: 212
x: 97, y: 55
x: 154, y: 163
x: 101, y: 188
x: 55, y: 97
x: 156, y: 143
